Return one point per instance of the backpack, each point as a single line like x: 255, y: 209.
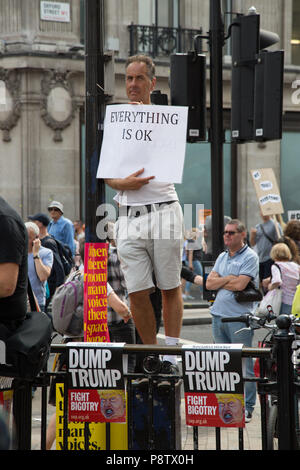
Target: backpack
x: 67, y: 306
x: 66, y: 256
x: 57, y: 276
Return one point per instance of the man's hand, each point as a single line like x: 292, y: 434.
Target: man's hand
x: 131, y: 182
x: 36, y: 245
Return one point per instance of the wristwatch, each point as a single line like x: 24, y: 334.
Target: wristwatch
x: 36, y: 257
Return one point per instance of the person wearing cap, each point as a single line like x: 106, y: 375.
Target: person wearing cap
x: 60, y: 227
x: 57, y: 275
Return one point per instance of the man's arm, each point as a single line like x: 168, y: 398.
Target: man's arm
x: 215, y: 282
x: 252, y: 240
x: 9, y: 273
x: 238, y: 283
x: 231, y: 282
x: 43, y: 271
x: 131, y: 182
x: 69, y: 234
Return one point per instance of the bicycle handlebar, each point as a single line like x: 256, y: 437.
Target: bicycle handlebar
x: 240, y: 319
x: 254, y: 322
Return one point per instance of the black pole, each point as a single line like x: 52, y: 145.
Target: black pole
x: 22, y: 413
x: 283, y: 340
x: 94, y: 112
x: 233, y: 182
x: 216, y: 38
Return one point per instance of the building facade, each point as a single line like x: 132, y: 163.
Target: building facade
x: 42, y: 98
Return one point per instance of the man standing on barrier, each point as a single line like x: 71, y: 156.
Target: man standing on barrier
x: 233, y: 270
x: 146, y: 203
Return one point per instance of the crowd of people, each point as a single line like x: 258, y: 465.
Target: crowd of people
x: 277, y: 245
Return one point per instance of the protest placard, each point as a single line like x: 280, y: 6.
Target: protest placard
x: 267, y: 191
x: 144, y: 136
x: 95, y: 292
x: 82, y: 435
x: 213, y: 385
x: 97, y: 388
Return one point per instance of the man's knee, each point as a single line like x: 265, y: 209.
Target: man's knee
x: 171, y: 293
x: 139, y: 296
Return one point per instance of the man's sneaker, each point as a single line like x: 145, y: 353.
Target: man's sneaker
x: 248, y: 416
x: 140, y: 384
x: 168, y: 368
x: 164, y: 385
x: 189, y: 297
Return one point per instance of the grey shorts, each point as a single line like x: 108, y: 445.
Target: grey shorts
x: 151, y: 244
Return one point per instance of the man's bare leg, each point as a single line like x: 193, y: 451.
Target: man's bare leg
x: 172, y: 315
x: 143, y: 316
x: 172, y: 311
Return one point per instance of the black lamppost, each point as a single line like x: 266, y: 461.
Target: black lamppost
x: 94, y: 111
x: 216, y: 41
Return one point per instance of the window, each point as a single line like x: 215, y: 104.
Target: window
x: 159, y: 12
x: 227, y: 18
x: 295, y: 41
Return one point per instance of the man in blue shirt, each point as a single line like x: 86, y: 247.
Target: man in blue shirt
x: 233, y: 270
x: 60, y: 227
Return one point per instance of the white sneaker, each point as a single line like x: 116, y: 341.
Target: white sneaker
x: 248, y: 416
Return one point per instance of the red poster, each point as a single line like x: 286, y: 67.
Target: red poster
x: 213, y: 385
x: 97, y: 406
x: 95, y: 293
x: 214, y: 409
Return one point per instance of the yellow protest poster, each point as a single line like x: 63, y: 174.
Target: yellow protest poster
x: 88, y: 435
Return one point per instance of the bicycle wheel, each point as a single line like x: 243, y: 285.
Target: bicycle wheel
x: 272, y: 433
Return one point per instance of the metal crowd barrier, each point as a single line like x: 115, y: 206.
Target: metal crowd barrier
x: 22, y: 406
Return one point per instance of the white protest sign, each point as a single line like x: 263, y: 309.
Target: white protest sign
x: 144, y: 136
x: 267, y: 191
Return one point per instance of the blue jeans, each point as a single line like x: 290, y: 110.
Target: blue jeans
x: 197, y: 268
x: 285, y: 309
x: 225, y: 333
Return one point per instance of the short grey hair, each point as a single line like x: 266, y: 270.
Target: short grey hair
x: 146, y: 60
x: 239, y: 225
x: 32, y: 226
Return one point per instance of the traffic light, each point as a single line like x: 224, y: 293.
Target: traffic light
x: 268, y: 98
x: 256, y: 109
x: 188, y: 88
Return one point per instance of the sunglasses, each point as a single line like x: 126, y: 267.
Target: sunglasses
x: 53, y: 209
x: 229, y: 232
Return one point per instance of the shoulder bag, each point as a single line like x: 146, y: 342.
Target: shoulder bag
x: 249, y: 294
x: 26, y: 348
x: 272, y: 299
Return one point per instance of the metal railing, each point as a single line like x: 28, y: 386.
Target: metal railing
x: 161, y: 41
x: 285, y: 388
x: 23, y: 407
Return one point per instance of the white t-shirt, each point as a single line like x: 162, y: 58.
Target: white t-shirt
x: 288, y: 277
x: 151, y: 193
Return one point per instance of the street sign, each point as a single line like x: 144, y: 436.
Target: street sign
x: 55, y: 11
